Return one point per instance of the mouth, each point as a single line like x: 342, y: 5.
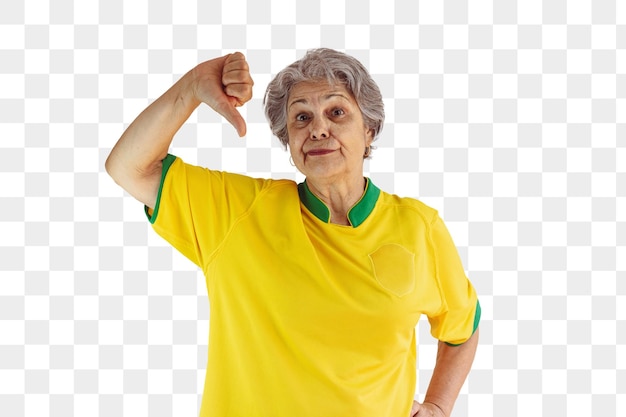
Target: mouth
x: 319, y: 152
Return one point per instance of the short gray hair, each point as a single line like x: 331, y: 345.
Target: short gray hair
x: 334, y: 67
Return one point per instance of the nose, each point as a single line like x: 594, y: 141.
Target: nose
x: 319, y: 129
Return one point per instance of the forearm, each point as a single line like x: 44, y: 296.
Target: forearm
x: 146, y: 141
x: 451, y: 369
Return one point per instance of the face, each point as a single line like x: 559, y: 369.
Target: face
x: 327, y: 134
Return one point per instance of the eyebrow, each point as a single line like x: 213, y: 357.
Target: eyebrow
x: 326, y: 97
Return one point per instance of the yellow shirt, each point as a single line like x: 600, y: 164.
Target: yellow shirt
x: 310, y: 318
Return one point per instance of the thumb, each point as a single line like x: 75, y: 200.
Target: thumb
x: 227, y: 108
x: 210, y: 89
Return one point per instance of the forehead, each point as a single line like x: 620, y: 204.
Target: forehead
x: 308, y: 91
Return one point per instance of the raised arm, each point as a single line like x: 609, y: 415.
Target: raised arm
x: 135, y: 161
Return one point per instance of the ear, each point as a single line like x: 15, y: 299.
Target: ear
x: 369, y: 136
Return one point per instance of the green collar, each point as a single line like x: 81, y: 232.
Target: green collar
x: 356, y: 215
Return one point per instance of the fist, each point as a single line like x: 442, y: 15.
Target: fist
x: 236, y: 79
x: 225, y: 83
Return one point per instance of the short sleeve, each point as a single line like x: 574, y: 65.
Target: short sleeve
x: 196, y: 207
x: 459, y: 314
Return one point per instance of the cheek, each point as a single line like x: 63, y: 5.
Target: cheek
x: 294, y: 147
x: 296, y: 138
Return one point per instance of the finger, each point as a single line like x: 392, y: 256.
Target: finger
x: 237, y: 76
x: 238, y: 70
x: 227, y: 109
x: 240, y: 67
x: 424, y: 412
x: 421, y: 410
x: 236, y: 59
x: 242, y: 93
x: 238, y: 83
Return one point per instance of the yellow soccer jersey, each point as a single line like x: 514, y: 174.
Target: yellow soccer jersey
x: 310, y: 318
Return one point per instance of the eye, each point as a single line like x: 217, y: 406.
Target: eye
x: 302, y: 117
x: 338, y: 112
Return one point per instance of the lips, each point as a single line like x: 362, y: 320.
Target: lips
x: 320, y: 152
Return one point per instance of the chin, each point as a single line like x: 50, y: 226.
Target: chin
x: 324, y: 173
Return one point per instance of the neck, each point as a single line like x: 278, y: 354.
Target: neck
x: 339, y: 196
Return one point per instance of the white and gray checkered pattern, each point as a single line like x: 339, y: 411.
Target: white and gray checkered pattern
x: 507, y: 116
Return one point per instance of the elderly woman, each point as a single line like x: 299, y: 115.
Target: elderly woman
x: 316, y: 288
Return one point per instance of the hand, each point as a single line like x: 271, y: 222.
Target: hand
x: 425, y: 410
x: 225, y: 83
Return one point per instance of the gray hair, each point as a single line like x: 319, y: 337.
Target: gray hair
x: 334, y: 67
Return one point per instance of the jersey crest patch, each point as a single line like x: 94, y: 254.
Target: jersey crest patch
x: 394, y: 268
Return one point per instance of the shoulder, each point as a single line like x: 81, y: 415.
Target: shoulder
x: 409, y: 207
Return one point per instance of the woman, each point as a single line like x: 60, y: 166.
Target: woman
x: 315, y: 289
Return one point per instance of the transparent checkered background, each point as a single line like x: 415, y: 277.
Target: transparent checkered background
x: 507, y: 116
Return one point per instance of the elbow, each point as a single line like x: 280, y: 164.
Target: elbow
x: 110, y: 167
x: 143, y: 185
x: 118, y: 169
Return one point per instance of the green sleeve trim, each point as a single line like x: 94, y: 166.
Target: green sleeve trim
x: 477, y: 315
x: 167, y: 163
